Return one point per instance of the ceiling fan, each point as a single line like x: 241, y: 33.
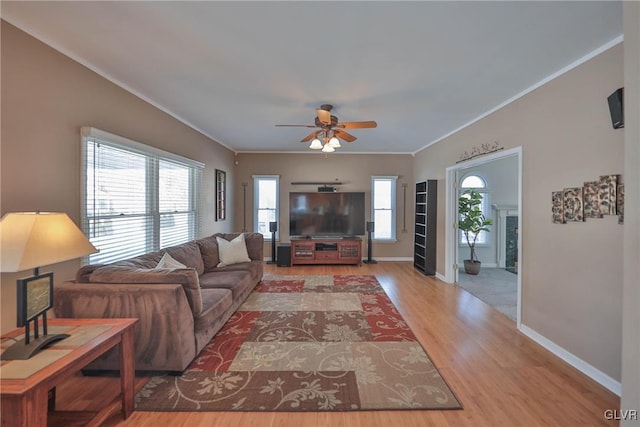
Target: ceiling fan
x: 330, y: 129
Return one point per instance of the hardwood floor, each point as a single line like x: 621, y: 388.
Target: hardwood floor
x: 500, y: 376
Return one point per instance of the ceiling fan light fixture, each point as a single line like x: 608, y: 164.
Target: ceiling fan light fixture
x: 330, y: 130
x: 316, y: 144
x: 328, y: 148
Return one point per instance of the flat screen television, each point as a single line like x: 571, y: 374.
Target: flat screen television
x: 326, y: 214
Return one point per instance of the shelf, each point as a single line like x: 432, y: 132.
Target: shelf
x: 424, y: 258
x: 327, y: 183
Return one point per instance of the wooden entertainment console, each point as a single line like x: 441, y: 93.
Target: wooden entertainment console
x: 339, y: 250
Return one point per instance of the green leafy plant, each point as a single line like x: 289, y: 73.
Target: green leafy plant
x: 472, y: 220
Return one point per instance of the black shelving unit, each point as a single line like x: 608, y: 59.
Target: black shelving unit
x: 424, y: 252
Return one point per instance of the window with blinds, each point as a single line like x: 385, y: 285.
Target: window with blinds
x: 383, y: 207
x: 136, y: 198
x: 266, y: 190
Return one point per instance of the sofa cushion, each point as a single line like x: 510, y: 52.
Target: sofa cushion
x: 214, y: 304
x: 236, y: 281
x: 168, y: 262
x: 149, y: 260
x: 232, y: 252
x: 255, y: 268
x: 84, y: 273
x: 187, y: 277
x: 209, y: 250
x: 188, y: 254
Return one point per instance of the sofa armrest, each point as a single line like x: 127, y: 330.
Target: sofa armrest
x: 187, y: 277
x: 164, y: 335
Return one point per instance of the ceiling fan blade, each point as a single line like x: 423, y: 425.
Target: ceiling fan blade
x: 357, y: 125
x: 309, y: 137
x: 324, y: 116
x: 343, y: 135
x: 297, y: 126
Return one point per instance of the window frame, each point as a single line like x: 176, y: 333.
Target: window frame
x: 393, y: 209
x: 256, y: 208
x: 483, y: 237
x: 153, y: 157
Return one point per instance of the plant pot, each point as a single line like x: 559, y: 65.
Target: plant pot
x: 471, y: 267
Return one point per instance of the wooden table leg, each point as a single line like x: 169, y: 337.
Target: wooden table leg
x: 127, y: 372
x: 51, y: 400
x: 27, y: 410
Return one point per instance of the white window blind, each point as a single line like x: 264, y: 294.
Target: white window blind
x: 136, y: 198
x: 383, y: 203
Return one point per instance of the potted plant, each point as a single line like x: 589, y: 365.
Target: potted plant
x: 472, y: 221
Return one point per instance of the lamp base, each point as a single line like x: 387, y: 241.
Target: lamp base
x: 370, y: 261
x: 22, y: 351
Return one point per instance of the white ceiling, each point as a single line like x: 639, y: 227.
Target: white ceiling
x: 232, y: 70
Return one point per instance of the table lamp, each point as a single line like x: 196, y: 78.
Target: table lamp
x: 30, y: 240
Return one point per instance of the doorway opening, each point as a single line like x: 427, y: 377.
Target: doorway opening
x: 500, y: 174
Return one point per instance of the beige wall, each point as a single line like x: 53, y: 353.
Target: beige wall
x: 46, y: 99
x: 571, y: 273
x: 631, y: 319
x: 354, y: 171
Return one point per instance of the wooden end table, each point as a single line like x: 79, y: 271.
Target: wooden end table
x: 25, y: 384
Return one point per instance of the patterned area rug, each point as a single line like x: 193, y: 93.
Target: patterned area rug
x: 307, y: 343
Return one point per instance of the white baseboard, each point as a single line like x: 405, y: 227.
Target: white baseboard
x: 441, y: 277
x: 590, y: 371
x: 384, y: 259
x: 391, y: 258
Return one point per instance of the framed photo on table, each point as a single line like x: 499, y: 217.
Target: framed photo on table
x: 35, y: 297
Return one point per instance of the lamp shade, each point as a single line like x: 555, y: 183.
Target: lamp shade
x: 34, y: 239
x: 328, y: 148
x: 334, y: 142
x: 316, y: 144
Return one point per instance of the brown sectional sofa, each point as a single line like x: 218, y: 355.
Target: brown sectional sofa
x: 180, y: 310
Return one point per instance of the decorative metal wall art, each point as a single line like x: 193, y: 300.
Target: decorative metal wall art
x: 557, y: 207
x: 479, y: 151
x: 620, y: 203
x: 593, y: 200
x: 573, y: 210
x: 607, y: 194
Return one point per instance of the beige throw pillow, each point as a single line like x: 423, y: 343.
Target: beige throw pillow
x: 232, y: 252
x: 167, y: 261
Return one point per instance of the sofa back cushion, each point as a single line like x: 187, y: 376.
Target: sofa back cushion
x: 188, y: 254
x: 209, y: 250
x: 211, y: 256
x: 148, y: 260
x: 187, y: 277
